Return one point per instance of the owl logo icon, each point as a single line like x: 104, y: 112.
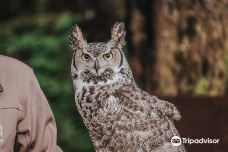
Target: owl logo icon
x: 176, y: 141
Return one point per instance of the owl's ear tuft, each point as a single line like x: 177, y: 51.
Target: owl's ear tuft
x: 118, y: 34
x: 76, y: 38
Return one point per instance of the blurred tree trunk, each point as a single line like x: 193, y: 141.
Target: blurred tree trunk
x: 140, y: 38
x: 182, y: 51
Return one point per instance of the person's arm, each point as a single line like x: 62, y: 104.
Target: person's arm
x: 36, y: 128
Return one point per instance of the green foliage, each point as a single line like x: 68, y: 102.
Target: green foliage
x: 201, y: 87
x: 41, y: 41
x: 66, y: 20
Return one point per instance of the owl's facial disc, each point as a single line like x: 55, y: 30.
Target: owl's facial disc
x: 98, y: 62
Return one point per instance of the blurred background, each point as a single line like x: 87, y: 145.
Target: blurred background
x: 177, y: 49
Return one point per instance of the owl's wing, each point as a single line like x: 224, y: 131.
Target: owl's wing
x: 134, y: 99
x: 165, y: 108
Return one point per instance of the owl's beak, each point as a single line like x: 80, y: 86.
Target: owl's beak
x: 96, y: 66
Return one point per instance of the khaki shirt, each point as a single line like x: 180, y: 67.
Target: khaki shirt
x: 26, y: 120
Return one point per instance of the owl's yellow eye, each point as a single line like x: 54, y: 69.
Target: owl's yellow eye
x: 108, y: 56
x: 85, y: 57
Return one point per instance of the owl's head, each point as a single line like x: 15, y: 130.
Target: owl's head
x: 101, y: 61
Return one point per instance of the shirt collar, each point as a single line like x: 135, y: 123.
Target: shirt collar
x: 1, y: 88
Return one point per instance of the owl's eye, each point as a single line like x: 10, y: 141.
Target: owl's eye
x: 108, y: 56
x: 85, y: 57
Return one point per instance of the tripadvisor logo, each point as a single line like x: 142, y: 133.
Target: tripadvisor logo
x: 177, y: 141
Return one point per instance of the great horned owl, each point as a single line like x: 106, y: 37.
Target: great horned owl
x: 119, y: 115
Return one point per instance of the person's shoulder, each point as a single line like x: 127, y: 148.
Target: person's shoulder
x: 13, y: 66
